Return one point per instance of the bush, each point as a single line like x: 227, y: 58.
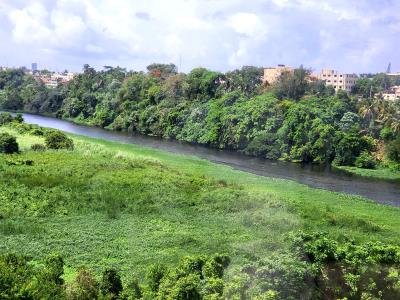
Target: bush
x: 365, y: 161
x: 19, y: 118
x: 38, y: 147
x: 8, y: 144
x: 37, y: 132
x: 111, y: 284
x: 84, y: 287
x: 58, y: 140
x: 5, y: 118
x: 393, y: 149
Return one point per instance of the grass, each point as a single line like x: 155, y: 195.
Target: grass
x: 379, y: 172
x: 112, y: 204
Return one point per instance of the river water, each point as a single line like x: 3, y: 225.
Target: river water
x: 382, y: 191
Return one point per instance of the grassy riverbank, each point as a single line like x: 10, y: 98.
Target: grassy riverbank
x: 379, y: 172
x: 107, y: 203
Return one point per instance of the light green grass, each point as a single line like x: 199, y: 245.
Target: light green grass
x: 379, y: 173
x: 113, y: 204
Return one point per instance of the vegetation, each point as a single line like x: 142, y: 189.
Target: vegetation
x: 294, y: 119
x: 147, y: 224
x: 8, y: 144
x: 57, y: 140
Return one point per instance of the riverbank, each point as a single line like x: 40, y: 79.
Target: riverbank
x: 379, y: 173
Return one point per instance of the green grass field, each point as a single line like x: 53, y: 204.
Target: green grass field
x: 112, y: 204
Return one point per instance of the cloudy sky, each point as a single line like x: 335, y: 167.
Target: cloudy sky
x: 348, y: 35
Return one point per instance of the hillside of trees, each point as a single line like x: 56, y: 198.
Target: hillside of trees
x: 294, y: 119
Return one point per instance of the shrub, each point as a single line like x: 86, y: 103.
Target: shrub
x: 38, y: 147
x: 5, y: 118
x: 84, y: 287
x: 132, y: 290
x: 19, y: 118
x: 111, y: 284
x: 365, y: 161
x: 58, y: 140
x: 8, y: 144
x: 393, y: 149
x: 37, y: 132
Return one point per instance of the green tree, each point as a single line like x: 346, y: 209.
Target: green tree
x: 8, y: 144
x: 58, y: 140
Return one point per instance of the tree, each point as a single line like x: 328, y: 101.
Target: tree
x: 349, y: 147
x: 58, y: 140
x: 292, y: 85
x: 8, y: 144
x: 162, y: 71
x: 392, y: 149
x: 111, y: 284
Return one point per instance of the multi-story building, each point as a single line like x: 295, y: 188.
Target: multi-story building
x: 272, y: 74
x: 34, y: 67
x: 393, y: 93
x: 339, y: 81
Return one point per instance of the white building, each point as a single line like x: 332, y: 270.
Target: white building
x: 393, y: 94
x: 339, y: 81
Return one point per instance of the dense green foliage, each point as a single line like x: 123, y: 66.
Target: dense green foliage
x: 8, y: 144
x: 351, y: 271
x: 58, y: 140
x: 295, y: 119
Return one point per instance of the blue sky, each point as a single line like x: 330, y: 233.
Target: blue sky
x: 347, y: 35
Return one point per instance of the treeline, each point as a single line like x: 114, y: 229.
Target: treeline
x: 330, y: 270
x: 295, y: 119
x: 195, y: 277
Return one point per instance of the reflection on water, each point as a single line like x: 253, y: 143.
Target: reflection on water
x: 311, y: 175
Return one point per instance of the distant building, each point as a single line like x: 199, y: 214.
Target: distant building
x: 34, y: 67
x: 272, y: 74
x: 339, y: 81
x: 393, y: 93
x: 393, y: 74
x: 54, y: 79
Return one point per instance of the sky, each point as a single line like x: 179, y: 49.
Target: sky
x: 358, y: 36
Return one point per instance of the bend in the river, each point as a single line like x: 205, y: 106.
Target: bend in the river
x: 382, y: 191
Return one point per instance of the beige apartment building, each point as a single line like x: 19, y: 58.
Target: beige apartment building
x: 272, y: 74
x: 393, y: 93
x: 339, y: 81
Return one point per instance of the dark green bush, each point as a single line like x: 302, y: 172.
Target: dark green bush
x: 19, y: 118
x: 5, y: 118
x: 365, y: 161
x: 58, y: 140
x: 8, y: 144
x: 111, y: 284
x: 38, y: 147
x: 393, y: 149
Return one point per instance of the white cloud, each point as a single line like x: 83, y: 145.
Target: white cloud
x: 248, y: 24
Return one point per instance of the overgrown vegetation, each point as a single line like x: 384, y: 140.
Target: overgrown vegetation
x: 147, y: 224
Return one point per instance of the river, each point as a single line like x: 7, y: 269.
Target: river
x: 315, y: 176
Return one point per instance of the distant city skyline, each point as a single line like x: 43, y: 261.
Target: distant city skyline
x: 349, y: 36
